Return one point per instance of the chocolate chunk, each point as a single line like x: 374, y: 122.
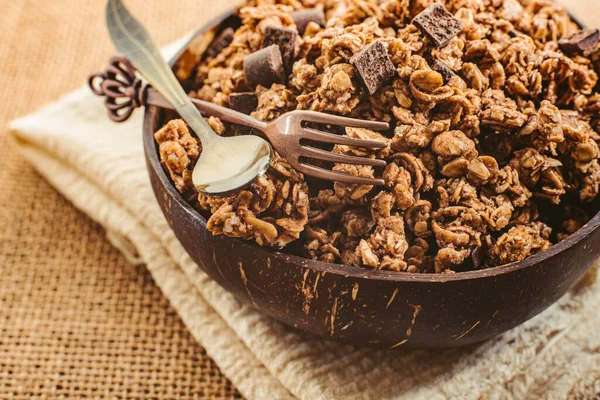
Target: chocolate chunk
x: 243, y: 102
x: 373, y: 65
x: 264, y: 67
x: 438, y: 24
x: 220, y: 42
x: 582, y: 42
x: 285, y: 39
x: 443, y: 69
x: 303, y: 17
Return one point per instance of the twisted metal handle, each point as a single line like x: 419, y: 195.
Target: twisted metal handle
x: 123, y: 90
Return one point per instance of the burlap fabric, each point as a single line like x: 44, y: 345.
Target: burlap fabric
x: 77, y: 319
x: 556, y: 355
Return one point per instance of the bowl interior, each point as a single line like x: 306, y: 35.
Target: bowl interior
x: 156, y: 118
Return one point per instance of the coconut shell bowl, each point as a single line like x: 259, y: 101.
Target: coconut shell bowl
x: 362, y: 306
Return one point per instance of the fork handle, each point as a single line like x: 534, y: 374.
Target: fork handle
x: 210, y: 109
x: 124, y: 92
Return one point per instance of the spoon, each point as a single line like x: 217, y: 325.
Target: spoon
x: 226, y: 164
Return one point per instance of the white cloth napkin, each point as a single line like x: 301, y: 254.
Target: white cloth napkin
x: 99, y: 166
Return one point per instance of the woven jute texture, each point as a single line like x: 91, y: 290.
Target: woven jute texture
x: 77, y: 320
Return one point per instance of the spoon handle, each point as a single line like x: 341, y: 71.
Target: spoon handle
x: 133, y: 40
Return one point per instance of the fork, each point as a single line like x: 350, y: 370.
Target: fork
x: 226, y: 164
x: 124, y: 92
x: 287, y: 132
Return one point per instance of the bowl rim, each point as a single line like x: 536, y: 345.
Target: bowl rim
x: 151, y: 114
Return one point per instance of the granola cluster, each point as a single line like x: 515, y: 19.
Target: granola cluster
x: 493, y: 155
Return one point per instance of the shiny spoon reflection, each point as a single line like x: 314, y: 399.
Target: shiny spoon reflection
x: 239, y: 162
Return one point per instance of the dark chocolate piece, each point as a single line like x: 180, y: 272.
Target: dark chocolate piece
x: 374, y: 66
x: 581, y: 42
x: 264, y: 67
x: 438, y: 24
x: 284, y: 38
x: 243, y: 102
x: 303, y: 17
x: 443, y: 69
x: 220, y: 42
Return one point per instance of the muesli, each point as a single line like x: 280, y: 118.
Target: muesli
x: 493, y: 154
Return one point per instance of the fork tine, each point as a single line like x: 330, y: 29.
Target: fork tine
x: 313, y: 152
x: 320, y: 136
x: 322, y: 118
x: 326, y: 174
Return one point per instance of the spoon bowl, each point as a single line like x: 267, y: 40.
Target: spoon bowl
x: 231, y: 164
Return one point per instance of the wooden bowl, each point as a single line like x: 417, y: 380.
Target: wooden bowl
x: 363, y: 306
